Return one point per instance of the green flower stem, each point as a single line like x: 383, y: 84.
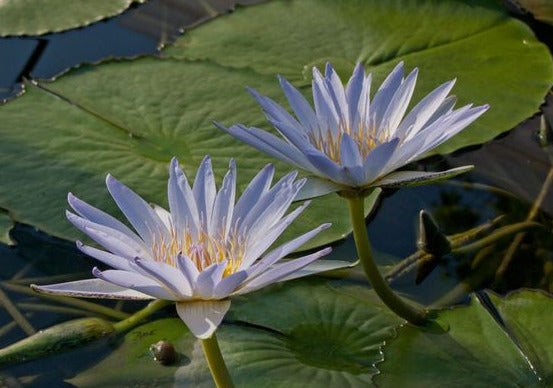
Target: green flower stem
x: 134, y: 319
x: 216, y: 363
x: 364, y: 251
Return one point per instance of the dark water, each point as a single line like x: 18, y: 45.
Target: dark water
x: 515, y: 162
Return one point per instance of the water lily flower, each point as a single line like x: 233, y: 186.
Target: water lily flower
x: 206, y: 249
x: 352, y: 141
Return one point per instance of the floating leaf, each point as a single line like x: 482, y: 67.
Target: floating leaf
x: 495, y: 58
x: 129, y: 118
x: 472, y: 350
x: 29, y: 17
x: 6, y: 224
x: 306, y: 334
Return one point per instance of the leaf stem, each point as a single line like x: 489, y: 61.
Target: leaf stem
x: 216, y: 362
x: 134, y: 319
x: 364, y: 251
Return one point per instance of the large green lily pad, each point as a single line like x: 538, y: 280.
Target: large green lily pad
x: 30, y: 17
x: 473, y: 350
x: 129, y: 118
x: 495, y: 58
x: 303, y: 334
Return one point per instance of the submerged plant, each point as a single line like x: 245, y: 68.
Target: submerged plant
x: 204, y: 250
x: 352, y: 144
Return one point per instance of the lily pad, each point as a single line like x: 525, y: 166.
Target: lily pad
x: 305, y: 334
x: 495, y: 58
x: 6, y: 224
x: 471, y: 349
x: 129, y: 118
x: 29, y: 17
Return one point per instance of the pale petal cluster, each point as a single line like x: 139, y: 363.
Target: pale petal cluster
x: 354, y: 140
x: 205, y: 249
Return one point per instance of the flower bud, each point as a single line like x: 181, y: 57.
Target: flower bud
x: 430, y: 238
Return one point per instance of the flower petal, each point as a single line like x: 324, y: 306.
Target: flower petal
x: 208, y: 279
x: 385, y: 93
x: 110, y: 259
x: 113, y: 240
x: 167, y: 275
x: 258, y: 187
x: 320, y: 266
x: 299, y: 105
x: 203, y: 317
x: 99, y: 217
x: 134, y: 281
x: 204, y: 190
x: 184, y: 210
x: 316, y: 187
x: 415, y: 178
x: 283, y: 250
x: 139, y: 213
x: 91, y: 288
x: 281, y: 271
x: 267, y: 143
x: 228, y: 284
x: 223, y: 207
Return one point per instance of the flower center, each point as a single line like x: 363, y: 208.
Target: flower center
x: 365, y: 136
x: 203, y: 250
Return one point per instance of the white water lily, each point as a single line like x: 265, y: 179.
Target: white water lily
x: 353, y: 141
x: 206, y: 249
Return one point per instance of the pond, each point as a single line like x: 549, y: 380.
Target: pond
x: 122, y: 87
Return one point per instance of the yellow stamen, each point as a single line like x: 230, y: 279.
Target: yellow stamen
x: 202, y: 249
x: 365, y: 138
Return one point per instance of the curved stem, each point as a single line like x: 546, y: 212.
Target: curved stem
x: 216, y: 363
x: 364, y: 251
x: 134, y: 319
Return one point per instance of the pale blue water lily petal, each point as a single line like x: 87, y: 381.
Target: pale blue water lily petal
x: 267, y: 143
x: 107, y: 258
x: 299, y: 105
x: 136, y: 282
x: 415, y: 178
x: 379, y: 159
x: 398, y: 104
x: 188, y: 269
x: 167, y: 275
x: 351, y: 139
x: 262, y: 241
x: 272, y: 257
x: 200, y: 252
x: 115, y: 241
x: 424, y: 110
x: 139, y: 213
x: 281, y: 271
x: 223, y: 208
x: 99, y: 217
x: 228, y: 284
x: 208, y: 279
x: 272, y: 110
x: 92, y: 288
x: 320, y: 267
x: 203, y: 317
x: 182, y: 203
x: 317, y: 187
x: 204, y: 190
x: 258, y: 187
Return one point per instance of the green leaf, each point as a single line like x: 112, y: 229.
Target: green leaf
x: 495, y: 58
x: 129, y: 118
x: 304, y: 334
x: 30, y: 17
x: 468, y: 348
x: 6, y: 224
